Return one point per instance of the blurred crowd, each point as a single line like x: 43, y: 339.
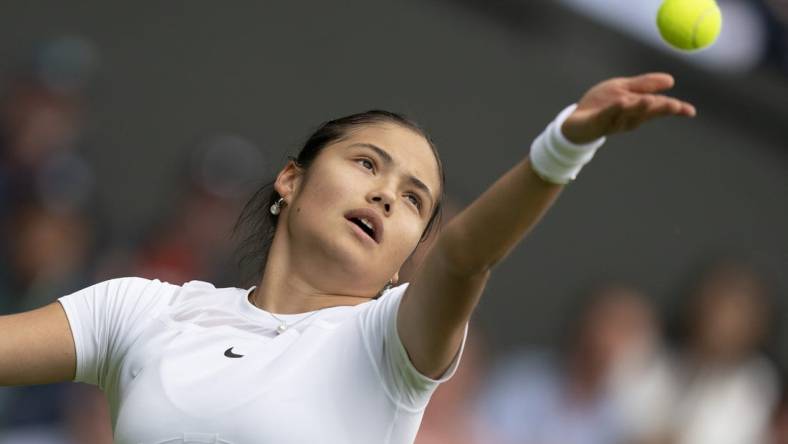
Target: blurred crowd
x: 623, y: 372
x: 622, y: 375
x: 55, y: 238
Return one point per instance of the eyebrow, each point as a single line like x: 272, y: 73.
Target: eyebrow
x: 388, y: 160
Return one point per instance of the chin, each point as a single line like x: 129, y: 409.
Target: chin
x: 345, y: 254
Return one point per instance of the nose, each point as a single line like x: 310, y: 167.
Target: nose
x: 385, y: 199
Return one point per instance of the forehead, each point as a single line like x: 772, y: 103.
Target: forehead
x: 410, y: 151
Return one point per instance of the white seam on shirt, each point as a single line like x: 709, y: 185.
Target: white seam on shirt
x: 375, y: 364
x: 391, y: 426
x: 76, y: 335
x: 144, y: 324
x: 397, y: 403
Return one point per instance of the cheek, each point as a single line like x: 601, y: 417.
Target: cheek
x: 323, y: 190
x: 408, y: 235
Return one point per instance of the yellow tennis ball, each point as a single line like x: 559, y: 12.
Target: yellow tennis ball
x: 689, y: 24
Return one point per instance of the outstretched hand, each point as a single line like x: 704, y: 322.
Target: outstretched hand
x: 622, y: 104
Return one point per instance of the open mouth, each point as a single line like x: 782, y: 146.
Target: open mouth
x: 365, y: 225
x: 368, y: 221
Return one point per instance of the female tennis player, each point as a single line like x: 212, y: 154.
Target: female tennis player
x: 316, y: 352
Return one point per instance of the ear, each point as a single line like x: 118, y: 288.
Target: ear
x: 288, y: 180
x: 395, y: 279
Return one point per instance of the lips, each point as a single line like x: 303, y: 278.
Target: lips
x: 358, y: 216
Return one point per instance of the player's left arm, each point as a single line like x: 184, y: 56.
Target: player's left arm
x: 443, y: 294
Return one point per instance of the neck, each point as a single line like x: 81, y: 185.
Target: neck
x: 288, y: 286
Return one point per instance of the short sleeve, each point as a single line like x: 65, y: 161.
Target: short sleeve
x: 404, y: 384
x: 106, y: 318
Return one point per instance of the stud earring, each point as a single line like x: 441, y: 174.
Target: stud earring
x: 277, y: 206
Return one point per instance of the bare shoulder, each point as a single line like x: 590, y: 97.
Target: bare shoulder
x: 36, y: 347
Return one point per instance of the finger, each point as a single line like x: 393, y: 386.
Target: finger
x: 636, y: 105
x: 650, y: 83
x: 618, y: 112
x: 637, y: 114
x: 645, y: 102
x: 680, y: 108
x: 688, y: 109
x: 663, y: 106
x: 613, y: 111
x: 648, y: 107
x: 627, y: 103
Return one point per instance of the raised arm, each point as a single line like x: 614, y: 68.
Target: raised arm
x: 36, y: 347
x: 443, y: 294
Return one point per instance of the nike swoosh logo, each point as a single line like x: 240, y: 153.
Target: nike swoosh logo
x: 229, y: 353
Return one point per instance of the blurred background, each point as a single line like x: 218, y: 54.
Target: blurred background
x: 647, y: 307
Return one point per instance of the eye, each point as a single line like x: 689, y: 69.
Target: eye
x: 367, y: 161
x: 415, y: 200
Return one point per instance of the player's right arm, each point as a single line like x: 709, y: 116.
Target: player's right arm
x: 36, y: 347
x: 443, y: 294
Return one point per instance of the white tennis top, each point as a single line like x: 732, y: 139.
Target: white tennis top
x: 199, y: 364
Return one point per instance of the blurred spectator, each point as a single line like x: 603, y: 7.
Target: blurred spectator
x: 45, y: 186
x: 777, y: 19
x: 192, y: 240
x: 37, y: 168
x: 576, y: 396
x: 191, y: 243
x: 48, y: 255
x: 779, y: 426
x: 39, y: 130
x: 727, y: 389
x: 640, y: 380
x: 46, y: 235
x: 86, y: 420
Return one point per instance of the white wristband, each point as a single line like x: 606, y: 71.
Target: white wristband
x: 554, y: 158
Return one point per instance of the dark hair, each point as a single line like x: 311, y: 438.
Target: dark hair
x: 256, y: 225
